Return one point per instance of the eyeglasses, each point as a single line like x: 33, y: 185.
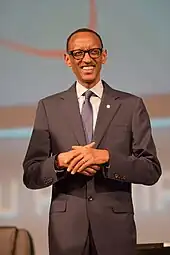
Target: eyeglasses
x: 79, y: 54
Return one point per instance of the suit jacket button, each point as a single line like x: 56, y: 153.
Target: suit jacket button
x: 90, y: 198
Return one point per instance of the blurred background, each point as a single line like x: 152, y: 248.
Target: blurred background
x: 32, y: 41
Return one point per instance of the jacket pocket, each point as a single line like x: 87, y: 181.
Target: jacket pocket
x: 122, y: 208
x: 58, y: 206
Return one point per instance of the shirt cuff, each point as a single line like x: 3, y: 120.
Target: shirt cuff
x: 58, y: 169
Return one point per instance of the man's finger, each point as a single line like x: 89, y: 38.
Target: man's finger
x: 78, y: 165
x: 90, y: 145
x: 71, y: 155
x: 95, y: 167
x: 83, y: 166
x: 86, y: 173
x: 90, y: 170
x: 75, y: 147
x: 74, y: 162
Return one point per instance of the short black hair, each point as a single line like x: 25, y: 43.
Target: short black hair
x: 83, y: 30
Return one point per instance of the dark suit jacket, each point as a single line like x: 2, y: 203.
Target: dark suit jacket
x: 104, y: 200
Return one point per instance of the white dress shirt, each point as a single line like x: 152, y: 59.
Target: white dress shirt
x: 95, y: 100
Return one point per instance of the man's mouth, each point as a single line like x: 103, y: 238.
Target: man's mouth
x: 88, y: 67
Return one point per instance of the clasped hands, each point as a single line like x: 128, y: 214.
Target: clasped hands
x: 83, y: 159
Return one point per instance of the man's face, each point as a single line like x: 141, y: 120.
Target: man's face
x: 86, y: 69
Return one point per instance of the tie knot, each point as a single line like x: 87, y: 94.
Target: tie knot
x: 88, y: 94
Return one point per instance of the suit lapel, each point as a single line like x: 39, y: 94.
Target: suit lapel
x: 107, y: 110
x: 71, y: 110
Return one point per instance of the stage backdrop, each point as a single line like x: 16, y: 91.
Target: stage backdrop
x: 32, y: 40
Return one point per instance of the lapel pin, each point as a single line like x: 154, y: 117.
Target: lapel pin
x: 108, y: 106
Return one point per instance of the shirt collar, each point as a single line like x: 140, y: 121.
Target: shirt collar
x: 97, y: 89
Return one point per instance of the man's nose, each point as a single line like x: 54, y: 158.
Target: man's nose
x: 87, y: 57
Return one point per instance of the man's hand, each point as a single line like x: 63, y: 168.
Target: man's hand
x: 86, y: 157
x: 65, y: 157
x: 90, y: 171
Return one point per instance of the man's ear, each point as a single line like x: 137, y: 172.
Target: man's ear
x: 67, y: 59
x: 104, y: 56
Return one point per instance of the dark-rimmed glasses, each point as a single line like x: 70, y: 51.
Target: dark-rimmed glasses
x: 79, y: 54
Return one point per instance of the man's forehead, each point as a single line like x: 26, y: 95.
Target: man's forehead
x: 83, y: 38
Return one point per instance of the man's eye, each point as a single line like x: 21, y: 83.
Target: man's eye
x: 78, y: 53
x: 95, y: 52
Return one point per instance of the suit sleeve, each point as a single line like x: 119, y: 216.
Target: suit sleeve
x: 142, y: 166
x: 39, y: 165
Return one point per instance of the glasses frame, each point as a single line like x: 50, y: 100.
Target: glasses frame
x: 71, y: 52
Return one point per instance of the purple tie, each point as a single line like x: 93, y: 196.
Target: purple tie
x: 87, y: 116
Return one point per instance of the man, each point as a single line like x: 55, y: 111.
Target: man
x: 90, y: 146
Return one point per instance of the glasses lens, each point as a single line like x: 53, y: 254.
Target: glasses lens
x: 95, y: 53
x: 78, y: 54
